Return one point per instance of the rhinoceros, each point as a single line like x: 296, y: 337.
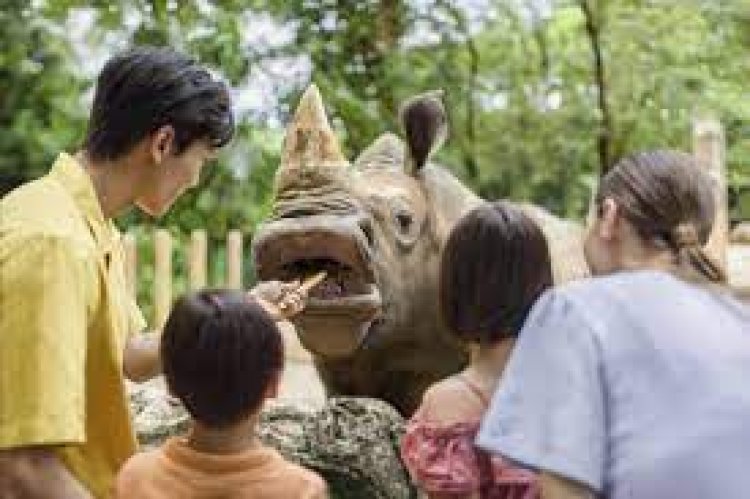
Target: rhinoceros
x: 376, y: 227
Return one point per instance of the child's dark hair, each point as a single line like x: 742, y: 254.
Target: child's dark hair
x: 145, y: 88
x: 220, y: 350
x: 495, y: 264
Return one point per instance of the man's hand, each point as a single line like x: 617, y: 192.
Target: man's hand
x: 31, y: 473
x: 281, y: 300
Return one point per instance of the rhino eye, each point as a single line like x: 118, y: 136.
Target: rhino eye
x: 404, y: 220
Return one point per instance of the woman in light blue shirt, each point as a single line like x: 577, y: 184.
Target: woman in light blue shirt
x: 636, y: 383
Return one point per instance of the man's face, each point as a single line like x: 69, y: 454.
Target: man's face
x: 172, y: 176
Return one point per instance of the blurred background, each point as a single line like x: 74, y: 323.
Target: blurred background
x: 544, y: 95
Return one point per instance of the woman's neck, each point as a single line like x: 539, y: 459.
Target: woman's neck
x: 230, y: 440
x: 634, y: 253
x: 487, y: 362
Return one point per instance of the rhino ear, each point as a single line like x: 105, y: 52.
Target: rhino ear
x: 425, y: 125
x: 386, y: 152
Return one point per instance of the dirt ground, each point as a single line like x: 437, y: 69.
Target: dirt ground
x: 300, y: 381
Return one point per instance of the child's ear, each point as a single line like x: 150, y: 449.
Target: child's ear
x: 272, y: 390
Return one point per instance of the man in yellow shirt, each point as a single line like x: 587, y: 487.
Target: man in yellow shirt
x: 68, y: 328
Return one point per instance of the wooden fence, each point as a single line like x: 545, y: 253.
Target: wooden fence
x: 197, y: 267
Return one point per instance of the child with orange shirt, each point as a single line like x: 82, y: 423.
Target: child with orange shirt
x: 222, y: 355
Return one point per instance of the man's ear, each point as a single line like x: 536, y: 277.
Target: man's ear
x: 609, y: 219
x: 162, y: 142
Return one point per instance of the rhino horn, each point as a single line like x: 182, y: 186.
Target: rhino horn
x: 310, y: 141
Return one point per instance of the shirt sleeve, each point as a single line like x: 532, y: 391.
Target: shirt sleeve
x: 441, y: 459
x: 548, y: 412
x: 43, y: 332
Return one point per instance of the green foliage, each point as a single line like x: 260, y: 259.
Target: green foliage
x: 39, y: 97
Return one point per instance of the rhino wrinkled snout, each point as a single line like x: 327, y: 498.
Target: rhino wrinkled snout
x: 365, y: 225
x: 340, y: 310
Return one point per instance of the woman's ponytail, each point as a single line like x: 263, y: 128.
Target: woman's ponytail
x: 691, y: 256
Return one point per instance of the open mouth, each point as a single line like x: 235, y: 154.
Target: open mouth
x: 297, y: 254
x: 339, y: 310
x: 341, y: 280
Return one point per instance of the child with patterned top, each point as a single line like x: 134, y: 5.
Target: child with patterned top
x: 494, y: 266
x: 222, y: 355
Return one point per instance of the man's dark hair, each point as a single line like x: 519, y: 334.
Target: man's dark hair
x: 219, y: 351
x: 145, y: 88
x: 495, y: 264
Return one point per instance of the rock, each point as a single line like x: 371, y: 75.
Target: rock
x: 352, y: 442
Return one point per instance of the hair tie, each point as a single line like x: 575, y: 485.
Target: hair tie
x: 685, y: 236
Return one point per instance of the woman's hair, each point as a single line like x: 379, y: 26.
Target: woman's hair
x: 670, y: 202
x: 495, y: 264
x: 220, y: 350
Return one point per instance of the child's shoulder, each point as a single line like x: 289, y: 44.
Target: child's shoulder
x: 298, y: 479
x: 141, y: 461
x: 135, y: 471
x: 445, y: 390
x: 297, y: 472
x: 450, y: 401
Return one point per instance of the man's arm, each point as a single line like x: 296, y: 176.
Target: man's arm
x: 31, y: 473
x: 140, y: 361
x: 556, y: 487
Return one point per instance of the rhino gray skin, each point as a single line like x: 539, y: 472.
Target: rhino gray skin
x: 377, y: 226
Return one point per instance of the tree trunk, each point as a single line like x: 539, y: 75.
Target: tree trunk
x: 605, y: 133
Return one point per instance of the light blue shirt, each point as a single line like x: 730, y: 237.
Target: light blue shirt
x: 636, y: 384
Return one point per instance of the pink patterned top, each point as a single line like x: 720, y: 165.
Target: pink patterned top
x: 443, y: 459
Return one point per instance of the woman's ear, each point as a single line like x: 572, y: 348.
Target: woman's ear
x: 609, y: 219
x: 162, y: 142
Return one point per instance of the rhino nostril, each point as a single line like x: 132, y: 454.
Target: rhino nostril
x: 366, y: 225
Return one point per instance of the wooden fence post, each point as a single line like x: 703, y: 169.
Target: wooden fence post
x: 162, y: 277
x: 197, y: 260
x: 709, y: 151
x: 130, y: 251
x: 234, y: 259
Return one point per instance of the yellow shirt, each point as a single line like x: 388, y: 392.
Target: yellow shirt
x: 65, y: 315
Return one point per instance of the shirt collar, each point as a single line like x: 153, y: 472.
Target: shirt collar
x: 68, y: 172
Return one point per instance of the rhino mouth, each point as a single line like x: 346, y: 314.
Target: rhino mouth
x: 341, y: 281
x: 340, y: 310
x: 296, y: 256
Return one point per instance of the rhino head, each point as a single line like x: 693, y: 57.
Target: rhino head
x: 377, y: 227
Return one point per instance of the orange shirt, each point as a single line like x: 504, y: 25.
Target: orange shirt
x: 177, y: 471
